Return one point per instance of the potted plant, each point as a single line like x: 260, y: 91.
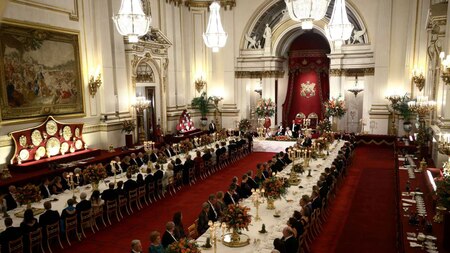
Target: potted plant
x: 202, y: 104
x: 128, y: 127
x: 403, y: 109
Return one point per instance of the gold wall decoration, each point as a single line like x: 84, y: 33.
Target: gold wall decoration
x: 40, y: 72
x: 353, y: 72
x: 259, y: 74
x: 226, y: 4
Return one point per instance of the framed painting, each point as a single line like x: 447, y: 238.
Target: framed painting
x: 40, y: 72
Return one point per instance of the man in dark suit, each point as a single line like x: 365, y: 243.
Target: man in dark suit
x: 231, y: 196
x: 133, y: 159
x: 212, y: 127
x: 154, y: 156
x: 307, y: 142
x: 245, y: 189
x: 84, y: 204
x: 169, y: 152
x: 141, y: 159
x: 10, y: 198
x: 48, y: 217
x: 110, y: 193
x: 10, y: 233
x: 168, y: 236
x: 251, y: 182
x: 295, y: 128
x: 290, y: 242
x: 188, y: 164
x: 316, y: 201
x: 64, y: 182
x: 207, y: 156
x: 114, y: 165
x: 212, y: 213
x: 203, y: 220
x: 45, y: 188
x: 130, y: 184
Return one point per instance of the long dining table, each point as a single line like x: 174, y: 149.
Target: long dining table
x: 285, y: 207
x: 59, y: 201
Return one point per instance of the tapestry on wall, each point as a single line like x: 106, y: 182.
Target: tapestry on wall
x: 40, y: 72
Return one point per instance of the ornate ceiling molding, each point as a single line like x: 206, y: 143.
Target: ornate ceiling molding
x: 259, y: 74
x: 175, y: 2
x: 72, y: 12
x: 225, y: 4
x: 353, y: 72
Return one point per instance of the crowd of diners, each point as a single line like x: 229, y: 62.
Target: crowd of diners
x: 185, y: 172
x: 297, y: 226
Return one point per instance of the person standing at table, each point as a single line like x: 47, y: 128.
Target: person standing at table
x: 168, y: 237
x: 212, y: 127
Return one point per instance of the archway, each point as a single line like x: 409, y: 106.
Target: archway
x: 308, y: 85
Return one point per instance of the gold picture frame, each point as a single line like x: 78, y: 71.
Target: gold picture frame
x: 40, y: 72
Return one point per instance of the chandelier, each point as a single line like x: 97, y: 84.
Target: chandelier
x: 306, y: 11
x: 339, y: 29
x: 131, y: 20
x: 141, y: 104
x: 357, y: 89
x: 215, y: 37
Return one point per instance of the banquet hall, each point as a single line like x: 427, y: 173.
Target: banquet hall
x: 224, y: 126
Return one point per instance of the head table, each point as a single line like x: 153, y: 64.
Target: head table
x: 59, y: 201
x: 263, y: 243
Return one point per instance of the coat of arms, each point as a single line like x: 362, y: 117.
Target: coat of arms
x: 308, y: 89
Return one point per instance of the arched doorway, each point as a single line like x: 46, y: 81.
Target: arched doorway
x: 308, y: 85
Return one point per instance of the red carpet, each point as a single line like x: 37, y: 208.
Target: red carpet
x: 363, y: 215
x: 117, y: 238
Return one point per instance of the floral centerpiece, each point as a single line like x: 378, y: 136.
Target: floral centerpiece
x: 265, y: 107
x: 335, y: 107
x: 206, y: 139
x: 186, y: 146
x: 237, y: 217
x: 324, y: 125
x: 443, y: 187
x: 162, y: 159
x: 244, y: 125
x: 222, y: 134
x: 275, y: 187
x: 183, y: 246
x: 94, y: 173
x: 28, y: 194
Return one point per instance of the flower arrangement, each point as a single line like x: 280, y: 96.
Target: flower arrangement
x: 443, y: 191
x: 237, y: 216
x: 222, y: 134
x: 183, y: 246
x: 28, y: 194
x: 265, y: 107
x: 280, y: 138
x: 335, y: 107
x: 324, y: 125
x: 94, y: 173
x: 162, y: 159
x: 244, y: 125
x: 186, y: 146
x: 206, y: 139
x: 329, y: 136
x: 298, y: 168
x: 128, y: 126
x: 275, y: 187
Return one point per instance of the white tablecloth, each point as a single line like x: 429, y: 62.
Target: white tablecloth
x: 271, y: 146
x: 263, y: 243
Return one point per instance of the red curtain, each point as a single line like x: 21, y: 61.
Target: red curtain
x: 308, y: 84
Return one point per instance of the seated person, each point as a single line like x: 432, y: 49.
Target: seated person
x: 202, y: 224
x: 57, y: 186
x: 279, y: 131
x: 290, y: 242
x: 83, y: 205
x: 10, y: 197
x: 129, y: 185
x: 29, y: 224
x: 11, y: 233
x: 288, y: 133
x: 45, y: 188
x: 48, y: 217
x: 110, y: 193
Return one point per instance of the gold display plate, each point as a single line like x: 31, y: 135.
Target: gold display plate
x: 67, y: 133
x: 23, y: 140
x: 53, y: 145
x: 51, y: 127
x: 24, y: 154
x: 36, y: 137
x: 244, y: 241
x: 64, y: 147
x: 41, y: 151
x: 78, y: 144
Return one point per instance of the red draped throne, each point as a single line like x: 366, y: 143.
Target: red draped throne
x: 185, y: 123
x: 308, y: 84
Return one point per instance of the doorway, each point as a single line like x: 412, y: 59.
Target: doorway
x: 150, y: 115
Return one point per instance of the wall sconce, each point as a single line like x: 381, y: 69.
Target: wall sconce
x: 258, y: 88
x: 216, y: 100
x: 200, y: 84
x: 418, y: 79
x: 445, y: 61
x: 94, y: 84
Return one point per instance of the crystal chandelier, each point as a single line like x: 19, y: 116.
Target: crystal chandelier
x: 306, y: 11
x: 215, y: 37
x: 339, y: 29
x: 357, y: 89
x: 131, y: 20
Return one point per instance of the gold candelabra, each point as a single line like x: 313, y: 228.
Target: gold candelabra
x: 445, y: 70
x: 422, y: 106
x: 72, y: 183
x: 200, y: 84
x: 293, y: 178
x: 394, y: 99
x: 257, y: 199
x: 213, y: 229
x: 141, y: 105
